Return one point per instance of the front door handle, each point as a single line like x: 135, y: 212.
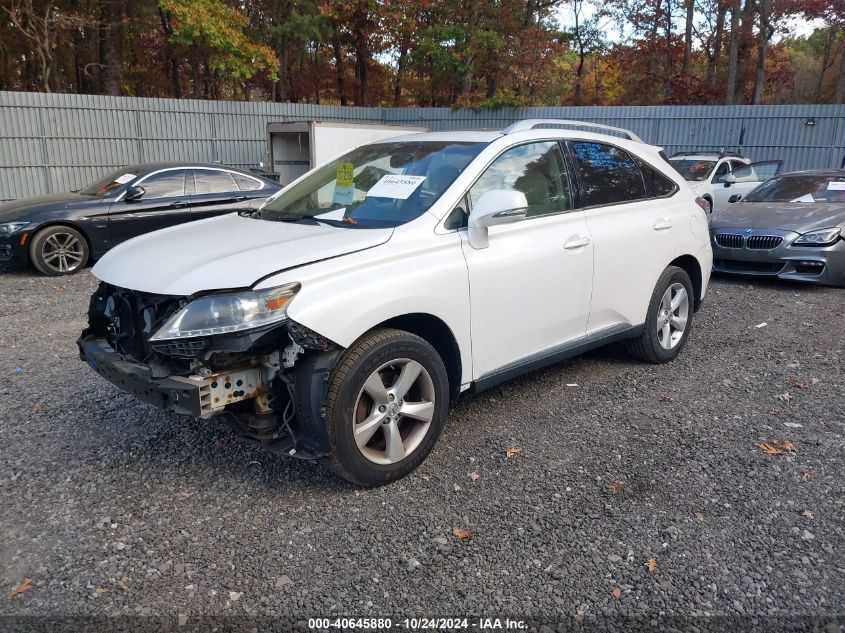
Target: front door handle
x: 662, y: 224
x: 240, y: 199
x: 179, y: 204
x: 576, y: 241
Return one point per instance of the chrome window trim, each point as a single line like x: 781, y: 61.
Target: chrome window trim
x: 137, y: 183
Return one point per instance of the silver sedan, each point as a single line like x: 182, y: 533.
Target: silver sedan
x: 791, y: 227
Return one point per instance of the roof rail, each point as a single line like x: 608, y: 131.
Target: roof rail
x: 720, y: 153
x: 531, y: 124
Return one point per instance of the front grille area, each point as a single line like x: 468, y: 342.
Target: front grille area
x: 729, y: 240
x: 739, y: 266
x: 133, y: 317
x: 763, y: 242
x: 183, y: 349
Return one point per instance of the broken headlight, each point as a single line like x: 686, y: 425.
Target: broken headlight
x: 228, y: 313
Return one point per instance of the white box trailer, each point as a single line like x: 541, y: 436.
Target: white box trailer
x: 295, y: 147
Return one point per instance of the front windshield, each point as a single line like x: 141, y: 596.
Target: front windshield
x: 808, y: 189
x: 696, y: 170
x: 377, y: 185
x: 110, y: 184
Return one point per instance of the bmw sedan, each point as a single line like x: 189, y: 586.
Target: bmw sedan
x: 59, y: 233
x: 791, y: 227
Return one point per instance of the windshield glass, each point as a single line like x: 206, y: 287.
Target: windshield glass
x: 694, y: 169
x: 109, y: 185
x: 807, y: 189
x: 378, y: 185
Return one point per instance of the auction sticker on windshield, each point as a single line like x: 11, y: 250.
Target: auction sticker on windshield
x: 836, y: 185
x: 344, y: 187
x: 124, y: 178
x: 395, y: 186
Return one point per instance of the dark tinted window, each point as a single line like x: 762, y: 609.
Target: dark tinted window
x: 166, y: 184
x: 535, y: 169
x: 245, y: 183
x: 608, y: 174
x: 660, y: 185
x: 213, y: 181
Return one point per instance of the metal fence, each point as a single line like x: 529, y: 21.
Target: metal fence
x: 60, y: 142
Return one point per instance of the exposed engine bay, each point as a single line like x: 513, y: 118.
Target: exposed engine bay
x: 267, y: 383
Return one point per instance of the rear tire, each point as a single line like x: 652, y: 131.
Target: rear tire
x: 669, y: 319
x: 386, y: 404
x: 58, y: 250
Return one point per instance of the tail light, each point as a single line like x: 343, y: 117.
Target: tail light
x: 703, y: 204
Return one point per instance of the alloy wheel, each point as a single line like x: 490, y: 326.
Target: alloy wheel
x: 62, y: 252
x: 672, y: 316
x: 394, y: 410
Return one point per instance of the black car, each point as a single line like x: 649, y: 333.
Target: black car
x: 59, y: 233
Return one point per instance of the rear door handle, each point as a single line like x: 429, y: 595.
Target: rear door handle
x: 662, y: 224
x: 240, y: 198
x: 576, y: 241
x: 179, y: 204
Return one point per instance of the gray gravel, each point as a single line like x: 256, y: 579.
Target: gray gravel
x: 112, y: 507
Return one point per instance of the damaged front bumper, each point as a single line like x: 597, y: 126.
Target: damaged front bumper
x: 198, y: 396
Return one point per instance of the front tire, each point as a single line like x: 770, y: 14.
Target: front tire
x: 386, y: 405
x: 669, y: 319
x: 58, y: 250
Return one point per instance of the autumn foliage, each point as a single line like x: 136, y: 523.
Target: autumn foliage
x: 455, y: 53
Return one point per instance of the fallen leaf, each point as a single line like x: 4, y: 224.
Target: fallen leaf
x: 100, y: 591
x: 806, y: 473
x: 783, y: 397
x: 815, y: 381
x: 776, y: 447
x: 667, y: 399
x: 37, y: 409
x: 794, y: 364
x: 650, y: 564
x: 459, y: 533
x: 794, y: 383
x: 60, y: 288
x: 474, y: 475
x: 26, y: 585
x: 579, y: 618
x: 615, y: 486
x: 808, y: 514
x: 723, y: 432
x: 616, y: 592
x: 699, y: 517
x: 122, y: 585
x: 511, y: 452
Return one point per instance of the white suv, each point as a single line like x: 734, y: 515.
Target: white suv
x: 718, y: 177
x: 340, y: 320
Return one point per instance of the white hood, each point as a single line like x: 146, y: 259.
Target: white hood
x: 225, y: 252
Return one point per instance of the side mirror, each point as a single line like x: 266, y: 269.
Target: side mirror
x: 729, y: 180
x: 134, y: 193
x: 500, y: 206
x: 735, y: 198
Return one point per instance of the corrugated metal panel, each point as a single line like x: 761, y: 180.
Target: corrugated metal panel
x: 58, y: 142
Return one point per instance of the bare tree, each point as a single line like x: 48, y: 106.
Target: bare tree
x: 39, y: 28
x: 763, y: 36
x: 733, y: 54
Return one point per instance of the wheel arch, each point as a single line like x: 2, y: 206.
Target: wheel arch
x: 440, y: 336
x: 692, y: 267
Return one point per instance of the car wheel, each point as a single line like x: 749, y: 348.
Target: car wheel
x: 669, y: 319
x: 58, y: 250
x: 386, y: 404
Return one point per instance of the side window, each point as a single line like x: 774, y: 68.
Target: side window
x: 167, y: 184
x: 608, y: 174
x: 213, y: 181
x: 535, y: 169
x: 245, y: 183
x: 721, y: 171
x: 661, y: 185
x: 457, y: 219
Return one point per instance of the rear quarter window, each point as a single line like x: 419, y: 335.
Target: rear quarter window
x: 608, y: 174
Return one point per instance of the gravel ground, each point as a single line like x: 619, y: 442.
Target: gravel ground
x: 114, y: 508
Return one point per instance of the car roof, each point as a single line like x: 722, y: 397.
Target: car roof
x: 146, y: 168
x: 815, y: 172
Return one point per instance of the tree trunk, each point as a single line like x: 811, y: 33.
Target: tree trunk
x: 762, y: 43
x: 175, y: 83
x: 716, y: 50
x: 400, y: 72
x: 667, y: 78
x: 733, y: 52
x: 688, y: 36
x: 111, y: 45
x: 839, y: 97
x: 339, y: 67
